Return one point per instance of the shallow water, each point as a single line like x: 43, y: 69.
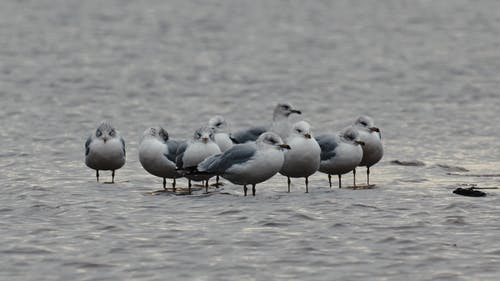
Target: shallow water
x: 427, y: 71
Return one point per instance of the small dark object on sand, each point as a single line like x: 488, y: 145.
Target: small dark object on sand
x: 469, y: 192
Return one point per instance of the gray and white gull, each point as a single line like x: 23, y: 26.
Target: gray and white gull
x: 340, y: 153
x: 105, y: 150
x: 195, y: 150
x: 222, y: 132
x: 157, y: 153
x: 373, y: 150
x: 281, y: 125
x: 249, y: 163
x: 303, y: 158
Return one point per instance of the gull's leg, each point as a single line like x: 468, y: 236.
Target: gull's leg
x: 164, y: 184
x: 307, y: 184
x: 289, y: 182
x: 330, y: 180
x: 245, y: 189
x: 217, y: 181
x: 253, y: 189
x: 173, y: 185
x: 340, y: 181
x: 206, y: 186
x: 97, y: 175
x: 189, y: 186
x: 354, y: 175
x: 368, y: 176
x: 113, y: 176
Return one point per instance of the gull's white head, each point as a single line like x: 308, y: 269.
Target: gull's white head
x: 218, y: 123
x: 302, y: 128
x: 366, y: 123
x: 351, y: 135
x: 271, y: 139
x: 106, y: 131
x: 157, y: 132
x: 204, y: 134
x: 284, y: 110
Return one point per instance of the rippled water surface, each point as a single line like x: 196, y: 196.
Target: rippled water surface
x: 427, y: 71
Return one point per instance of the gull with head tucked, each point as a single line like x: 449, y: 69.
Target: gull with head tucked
x: 249, y: 163
x: 195, y: 150
x: 105, y: 150
x: 303, y: 158
x: 157, y: 153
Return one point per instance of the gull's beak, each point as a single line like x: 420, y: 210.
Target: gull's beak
x: 204, y: 140
x: 307, y: 136
x: 105, y: 139
x: 375, y: 129
x: 360, y: 142
x: 296, y: 111
x: 285, y: 146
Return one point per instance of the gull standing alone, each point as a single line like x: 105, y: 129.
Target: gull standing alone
x: 105, y: 150
x: 157, y: 155
x: 281, y: 125
x: 371, y: 136
x: 195, y: 150
x: 303, y: 158
x: 340, y: 153
x: 248, y: 163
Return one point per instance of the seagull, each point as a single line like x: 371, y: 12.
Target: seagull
x: 105, y: 150
x: 195, y: 150
x: 221, y: 129
x: 340, y: 153
x: 303, y: 159
x: 371, y: 136
x: 248, y: 163
x: 157, y: 155
x: 281, y: 125
x: 222, y: 136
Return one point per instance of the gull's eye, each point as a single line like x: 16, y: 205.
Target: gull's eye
x: 218, y: 124
x: 198, y: 135
x: 363, y: 123
x: 286, y: 107
x: 299, y: 131
x: 98, y: 133
x: 112, y: 133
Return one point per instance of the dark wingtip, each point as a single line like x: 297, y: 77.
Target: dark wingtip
x: 193, y: 170
x: 233, y: 140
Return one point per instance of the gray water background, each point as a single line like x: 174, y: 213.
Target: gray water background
x: 427, y: 71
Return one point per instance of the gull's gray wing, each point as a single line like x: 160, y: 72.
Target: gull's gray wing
x: 123, y: 145
x: 328, y: 143
x: 219, y: 163
x: 251, y: 134
x: 87, y: 145
x: 172, y: 146
x: 180, y: 154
